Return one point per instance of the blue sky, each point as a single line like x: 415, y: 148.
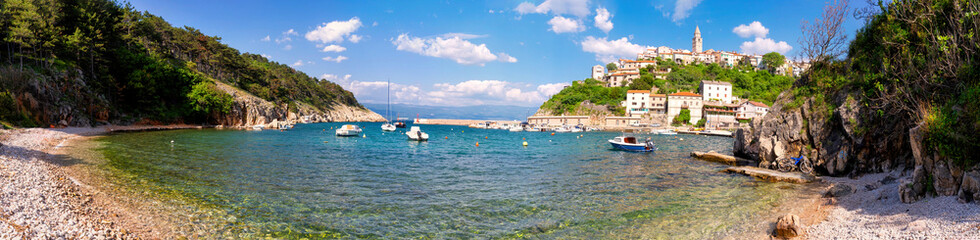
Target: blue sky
x: 459, y: 53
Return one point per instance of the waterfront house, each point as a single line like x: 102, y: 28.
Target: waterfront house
x: 621, y: 78
x: 556, y: 121
x: 720, y: 115
x: 751, y: 109
x: 684, y: 100
x: 637, y: 102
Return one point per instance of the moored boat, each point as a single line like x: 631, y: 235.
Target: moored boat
x: 416, y: 134
x: 399, y: 124
x: 631, y: 144
x: 387, y: 127
x: 348, y: 130
x: 663, y: 132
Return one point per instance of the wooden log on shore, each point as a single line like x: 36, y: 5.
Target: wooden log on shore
x: 771, y: 175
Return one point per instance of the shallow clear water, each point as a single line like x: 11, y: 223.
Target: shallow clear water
x: 306, y: 182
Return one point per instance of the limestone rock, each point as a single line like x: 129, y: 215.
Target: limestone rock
x: 788, y: 226
x: 911, y: 190
x: 943, y: 180
x: 970, y: 187
x: 713, y: 156
x: 839, y: 190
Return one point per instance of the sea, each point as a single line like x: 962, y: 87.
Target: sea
x: 463, y: 183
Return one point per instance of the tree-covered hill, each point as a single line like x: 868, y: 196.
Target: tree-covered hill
x: 85, y: 61
x: 747, y: 83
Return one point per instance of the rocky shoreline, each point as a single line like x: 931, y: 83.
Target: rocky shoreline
x: 42, y: 201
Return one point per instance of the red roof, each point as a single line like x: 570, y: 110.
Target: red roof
x: 685, y: 94
x: 758, y: 104
x: 658, y: 95
x: 638, y: 91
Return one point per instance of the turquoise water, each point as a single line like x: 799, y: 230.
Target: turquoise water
x: 306, y: 182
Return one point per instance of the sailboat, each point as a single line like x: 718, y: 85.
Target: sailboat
x: 387, y: 126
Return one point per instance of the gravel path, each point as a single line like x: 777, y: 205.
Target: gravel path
x: 874, y: 211
x: 37, y: 202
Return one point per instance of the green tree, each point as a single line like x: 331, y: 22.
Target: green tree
x: 611, y: 67
x: 23, y: 16
x: 701, y: 123
x: 773, y: 61
x: 684, y: 117
x: 207, y: 99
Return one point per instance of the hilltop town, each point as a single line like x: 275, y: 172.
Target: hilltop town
x: 713, y: 104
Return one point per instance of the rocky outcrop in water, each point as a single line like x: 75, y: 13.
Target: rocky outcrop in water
x: 249, y: 110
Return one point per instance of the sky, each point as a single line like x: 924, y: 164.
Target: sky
x: 465, y: 53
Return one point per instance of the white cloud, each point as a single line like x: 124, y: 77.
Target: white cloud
x: 560, y: 24
x: 266, y: 56
x: 375, y: 91
x: 337, y: 59
x: 336, y: 79
x: 551, y: 89
x: 298, y: 63
x: 288, y: 47
x: 291, y: 32
x: 455, y: 48
x: 334, y: 48
x: 266, y: 38
x: 503, y: 57
x: 765, y: 45
x: 608, y: 51
x: 579, y: 8
x: 682, y: 9
x: 463, y: 35
x: 335, y: 31
x: 354, y: 38
x: 375, y: 24
x: 603, y: 20
x: 753, y: 29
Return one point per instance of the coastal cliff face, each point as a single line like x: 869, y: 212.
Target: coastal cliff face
x: 849, y: 140
x: 249, y: 110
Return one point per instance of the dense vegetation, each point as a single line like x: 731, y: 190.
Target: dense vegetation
x: 915, y: 63
x: 98, y: 60
x: 747, y: 83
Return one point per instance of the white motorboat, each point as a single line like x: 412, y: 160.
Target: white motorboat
x: 663, y: 132
x: 416, y: 134
x: 562, y: 129
x: 388, y: 127
x: 591, y: 129
x: 575, y: 129
x: 516, y: 129
x: 258, y: 127
x: 348, y: 130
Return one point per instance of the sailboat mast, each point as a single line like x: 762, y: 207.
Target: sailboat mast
x: 388, y: 108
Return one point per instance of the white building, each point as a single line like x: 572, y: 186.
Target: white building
x: 620, y: 79
x: 751, y: 109
x: 716, y: 91
x: 684, y: 100
x: 598, y: 71
x: 637, y: 102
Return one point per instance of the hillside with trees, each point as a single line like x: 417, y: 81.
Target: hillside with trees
x: 90, y: 61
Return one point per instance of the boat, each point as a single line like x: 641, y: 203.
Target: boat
x: 516, y: 129
x: 591, y: 129
x: 285, y: 127
x: 575, y: 129
x: 258, y: 127
x: 348, y: 130
x: 387, y: 126
x: 663, y: 132
x: 562, y: 129
x: 416, y: 134
x: 631, y: 144
x: 399, y: 124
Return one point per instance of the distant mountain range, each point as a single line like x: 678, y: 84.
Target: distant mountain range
x: 468, y: 112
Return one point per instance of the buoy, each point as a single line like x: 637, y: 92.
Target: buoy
x: 552, y: 134
x: 682, y: 139
x: 324, y: 141
x: 447, y: 137
x: 549, y: 140
x: 477, y: 144
x: 523, y: 138
x: 485, y: 138
x: 525, y: 144
x: 365, y: 135
x: 577, y: 137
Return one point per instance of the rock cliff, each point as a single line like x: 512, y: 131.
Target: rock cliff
x: 841, y: 137
x: 249, y: 110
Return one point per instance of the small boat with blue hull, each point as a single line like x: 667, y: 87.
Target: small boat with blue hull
x: 631, y: 144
